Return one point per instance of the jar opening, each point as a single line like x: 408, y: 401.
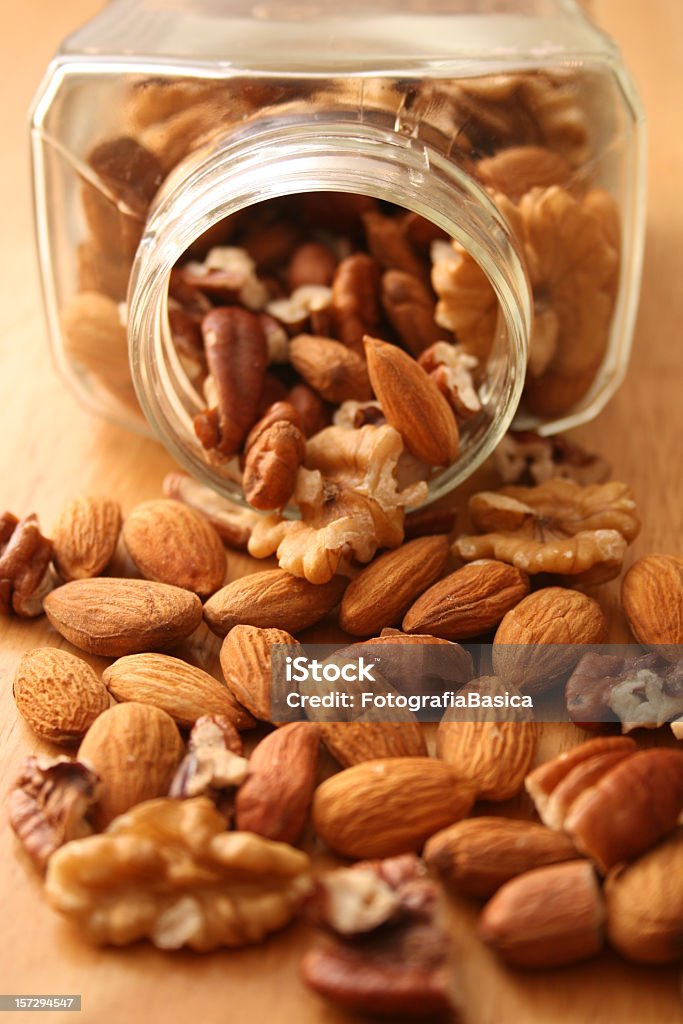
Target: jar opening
x: 227, y: 231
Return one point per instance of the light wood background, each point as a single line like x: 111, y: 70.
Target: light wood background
x: 50, y: 450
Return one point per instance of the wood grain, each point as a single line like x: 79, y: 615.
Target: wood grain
x: 51, y: 450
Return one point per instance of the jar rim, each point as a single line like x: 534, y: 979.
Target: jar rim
x: 291, y: 155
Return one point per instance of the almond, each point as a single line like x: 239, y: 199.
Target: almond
x: 272, y: 598
x: 381, y: 593
x: 485, y: 747
x: 336, y: 372
x: 183, y: 691
x: 171, y: 543
x: 113, y: 617
x: 645, y: 905
x: 469, y: 602
x: 367, y: 740
x: 85, y: 537
x: 246, y: 661
x: 652, y: 598
x: 540, y: 639
x: 276, y: 796
x: 386, y: 807
x: 135, y: 749
x: 59, y: 695
x: 412, y: 403
x: 479, y: 855
x: 547, y: 917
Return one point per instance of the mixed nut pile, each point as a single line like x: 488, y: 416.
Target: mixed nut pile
x: 159, y: 826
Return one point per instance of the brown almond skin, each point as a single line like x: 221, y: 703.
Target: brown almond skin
x: 330, y: 368
x: 59, y: 694
x: 171, y: 543
x: 491, y: 752
x: 275, y: 798
x: 629, y: 808
x: 381, y: 593
x: 652, y: 598
x: 386, y: 807
x: 85, y: 537
x: 183, y: 691
x: 113, y: 617
x: 272, y: 598
x: 547, y: 917
x: 412, y: 403
x: 245, y: 656
x: 356, y: 741
x: 478, y: 855
x: 539, y: 639
x: 468, y: 602
x: 135, y: 749
x: 645, y: 905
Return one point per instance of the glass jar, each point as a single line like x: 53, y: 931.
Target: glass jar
x: 185, y: 150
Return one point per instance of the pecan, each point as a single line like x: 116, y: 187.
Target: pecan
x: 49, y: 803
x: 213, y: 765
x: 25, y: 576
x: 278, y: 412
x: 386, y: 954
x: 270, y: 245
x: 390, y: 247
x: 272, y: 462
x: 310, y: 407
x: 211, y: 888
x: 129, y: 172
x: 336, y: 372
x: 558, y: 527
x: 355, y: 299
x: 409, y: 304
x: 237, y: 356
x: 311, y: 263
x: 232, y: 522
x: 527, y: 458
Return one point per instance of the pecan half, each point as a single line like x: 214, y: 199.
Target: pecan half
x: 49, y: 804
x: 355, y: 299
x: 271, y: 465
x: 386, y: 953
x: 25, y: 576
x: 237, y: 356
x: 213, y: 765
x: 410, y: 305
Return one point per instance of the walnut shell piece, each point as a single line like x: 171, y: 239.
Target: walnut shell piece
x: 645, y: 905
x: 49, y: 803
x: 558, y: 527
x: 351, y: 504
x: 169, y: 872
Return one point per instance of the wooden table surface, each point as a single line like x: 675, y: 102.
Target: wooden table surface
x: 51, y: 450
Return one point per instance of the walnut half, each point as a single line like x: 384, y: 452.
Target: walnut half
x: 169, y: 872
